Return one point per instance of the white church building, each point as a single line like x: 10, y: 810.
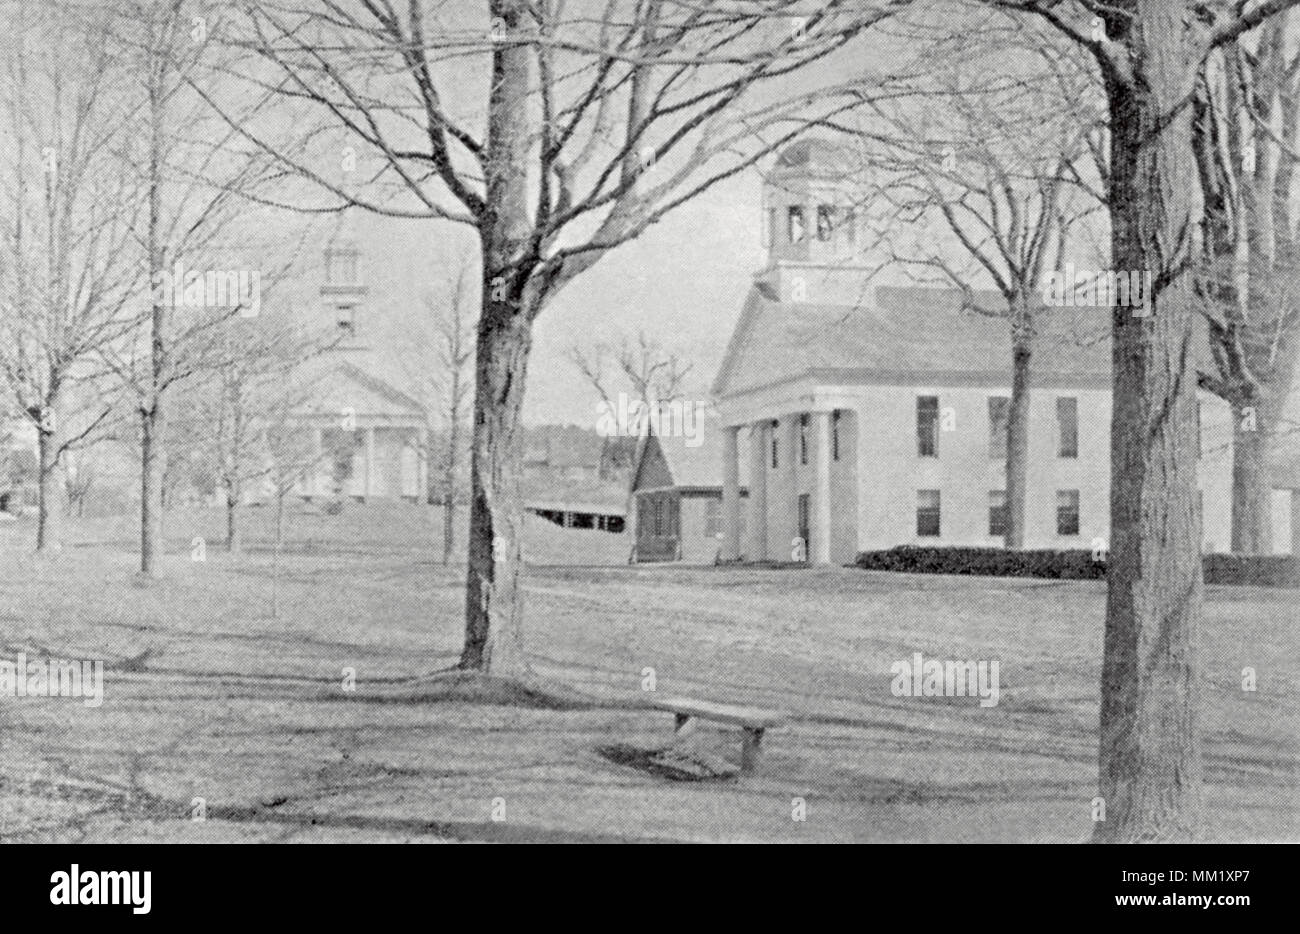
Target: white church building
x: 368, y: 434
x: 860, y: 416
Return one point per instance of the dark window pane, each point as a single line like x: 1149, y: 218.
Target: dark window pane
x: 927, y: 512
x: 997, y: 513
x: 927, y: 426
x: 794, y: 224
x: 1067, y: 512
x: 1067, y: 421
x: 999, y: 418
x: 825, y: 222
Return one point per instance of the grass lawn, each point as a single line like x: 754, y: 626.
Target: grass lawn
x: 207, y: 695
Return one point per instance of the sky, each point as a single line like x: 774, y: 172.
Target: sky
x: 682, y: 283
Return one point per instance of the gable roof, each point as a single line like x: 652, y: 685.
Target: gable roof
x: 904, y: 334
x: 330, y: 372
x: 595, y: 496
x: 694, y: 465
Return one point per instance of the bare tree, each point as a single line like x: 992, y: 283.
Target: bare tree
x: 438, y: 363
x: 78, y: 480
x: 254, y: 381
x: 191, y: 172
x: 289, y: 456
x: 556, y: 136
x: 992, y: 146
x: 1150, y: 53
x: 652, y: 371
x: 69, y: 276
x: 1247, y: 145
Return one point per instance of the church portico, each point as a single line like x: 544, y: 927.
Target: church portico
x: 798, y: 470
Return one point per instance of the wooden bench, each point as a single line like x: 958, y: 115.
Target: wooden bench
x: 751, y: 720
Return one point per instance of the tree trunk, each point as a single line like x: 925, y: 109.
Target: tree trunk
x: 448, y: 523
x: 1018, y: 442
x: 275, y: 552
x: 493, y: 610
x: 47, y: 509
x: 432, y: 496
x: 153, y: 422
x: 233, y: 539
x: 151, y: 484
x: 493, y: 599
x: 449, y: 494
x: 1150, y: 750
x: 1252, y: 491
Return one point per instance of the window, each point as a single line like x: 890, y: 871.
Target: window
x: 659, y: 517
x: 347, y: 320
x: 1067, y: 423
x: 825, y: 222
x: 835, y: 435
x: 794, y: 228
x: 341, y: 266
x: 803, y: 438
x: 927, y: 426
x: 1067, y: 512
x: 712, y: 518
x: 999, y: 419
x: 927, y: 513
x: 343, y: 463
x: 776, y: 442
x: 997, y: 513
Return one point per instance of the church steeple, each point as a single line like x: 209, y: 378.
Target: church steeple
x: 815, y: 225
x: 343, y: 292
x: 811, y: 214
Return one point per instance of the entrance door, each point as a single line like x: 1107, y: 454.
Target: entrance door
x: 805, y: 510
x: 659, y: 527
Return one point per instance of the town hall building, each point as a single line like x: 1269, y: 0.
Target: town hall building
x: 858, y: 416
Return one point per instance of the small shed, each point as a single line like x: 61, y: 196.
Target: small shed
x: 677, y: 498
x: 577, y: 504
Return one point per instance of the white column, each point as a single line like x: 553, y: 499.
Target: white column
x: 788, y: 459
x: 1295, y: 523
x: 731, y: 494
x: 758, y: 449
x: 819, y: 549
x: 370, y: 463
x: 422, y: 465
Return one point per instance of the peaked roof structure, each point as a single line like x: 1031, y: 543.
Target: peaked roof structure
x: 688, y: 464
x: 903, y: 334
x: 332, y: 371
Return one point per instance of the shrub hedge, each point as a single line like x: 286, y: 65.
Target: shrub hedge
x: 1068, y: 564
